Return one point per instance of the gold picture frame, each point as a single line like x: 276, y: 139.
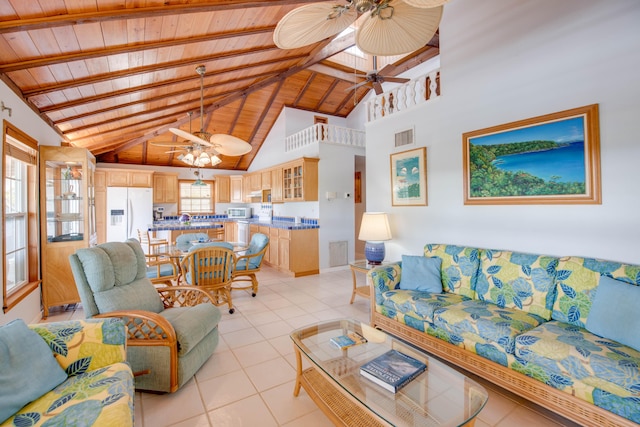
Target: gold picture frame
x: 550, y: 159
x: 409, y: 177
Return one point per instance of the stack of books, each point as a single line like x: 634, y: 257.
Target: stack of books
x: 348, y: 340
x: 392, y: 370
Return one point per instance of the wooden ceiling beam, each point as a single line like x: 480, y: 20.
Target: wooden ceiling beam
x: 237, y: 117
x: 103, y: 96
x: 118, y: 50
x: 62, y: 20
x: 304, y: 89
x: 264, y: 113
x: 321, y: 52
x: 336, y: 74
x: 327, y: 93
x: 153, y: 68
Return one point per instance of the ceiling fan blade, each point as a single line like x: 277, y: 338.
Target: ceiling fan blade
x: 229, y: 145
x: 407, y: 29
x: 394, y: 79
x: 311, y: 23
x: 350, y: 88
x: 425, y: 3
x: 378, y: 88
x: 169, y: 144
x: 186, y: 135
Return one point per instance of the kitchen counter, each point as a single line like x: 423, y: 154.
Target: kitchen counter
x: 278, y: 222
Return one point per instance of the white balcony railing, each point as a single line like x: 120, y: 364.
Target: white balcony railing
x: 327, y: 134
x: 410, y: 94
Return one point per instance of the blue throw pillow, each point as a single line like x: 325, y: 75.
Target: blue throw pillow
x: 28, y: 369
x: 614, y: 312
x: 420, y: 273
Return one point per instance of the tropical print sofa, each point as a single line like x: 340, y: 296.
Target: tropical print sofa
x: 98, y: 389
x: 528, y: 313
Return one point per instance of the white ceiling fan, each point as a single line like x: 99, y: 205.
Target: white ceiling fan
x: 384, y: 28
x: 202, y: 148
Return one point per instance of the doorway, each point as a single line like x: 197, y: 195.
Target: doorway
x: 360, y: 201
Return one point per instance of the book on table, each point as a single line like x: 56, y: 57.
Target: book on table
x: 348, y: 340
x: 392, y: 370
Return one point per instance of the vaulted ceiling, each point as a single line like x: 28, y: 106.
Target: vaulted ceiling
x: 114, y: 75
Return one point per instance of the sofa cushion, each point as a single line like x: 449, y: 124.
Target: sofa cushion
x: 614, y: 312
x: 102, y: 397
x: 517, y: 280
x: 417, y: 304
x: 192, y: 324
x: 420, y: 273
x: 487, y: 321
x: 459, y: 267
x: 577, y: 278
x: 27, y: 368
x: 84, y: 345
x: 571, y: 358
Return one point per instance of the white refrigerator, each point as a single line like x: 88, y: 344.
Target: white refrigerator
x: 128, y: 209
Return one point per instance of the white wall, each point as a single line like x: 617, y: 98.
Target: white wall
x: 506, y: 60
x: 30, y: 123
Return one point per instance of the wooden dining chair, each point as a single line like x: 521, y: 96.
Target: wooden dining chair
x: 209, y: 265
x: 247, y: 265
x: 154, y: 246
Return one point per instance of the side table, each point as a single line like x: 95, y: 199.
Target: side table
x: 361, y: 266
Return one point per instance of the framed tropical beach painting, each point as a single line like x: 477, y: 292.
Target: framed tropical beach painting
x: 409, y: 178
x: 551, y: 159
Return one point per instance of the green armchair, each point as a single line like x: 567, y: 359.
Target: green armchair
x: 171, y: 331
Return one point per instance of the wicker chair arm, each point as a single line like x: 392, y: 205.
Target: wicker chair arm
x: 184, y: 296
x: 236, y: 259
x: 145, y: 327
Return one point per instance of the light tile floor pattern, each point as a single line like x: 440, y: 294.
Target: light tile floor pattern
x: 249, y: 379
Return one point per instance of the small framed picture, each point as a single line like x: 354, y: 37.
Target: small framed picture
x: 409, y: 177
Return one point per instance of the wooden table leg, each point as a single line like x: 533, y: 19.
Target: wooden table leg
x: 353, y: 277
x: 296, y: 389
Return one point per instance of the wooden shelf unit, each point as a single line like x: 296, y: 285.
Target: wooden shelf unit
x: 68, y: 218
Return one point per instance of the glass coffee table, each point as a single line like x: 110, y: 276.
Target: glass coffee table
x: 440, y: 396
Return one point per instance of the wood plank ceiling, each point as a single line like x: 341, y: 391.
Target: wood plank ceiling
x: 114, y: 75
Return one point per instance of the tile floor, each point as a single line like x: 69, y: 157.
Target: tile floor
x: 249, y: 379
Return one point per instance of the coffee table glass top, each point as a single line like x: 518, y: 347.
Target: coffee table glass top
x: 438, y: 396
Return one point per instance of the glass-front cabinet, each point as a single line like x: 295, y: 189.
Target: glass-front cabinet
x: 68, y: 218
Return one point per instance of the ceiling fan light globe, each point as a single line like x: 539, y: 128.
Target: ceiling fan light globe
x: 215, y: 160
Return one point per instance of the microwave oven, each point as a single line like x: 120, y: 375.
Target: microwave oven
x: 239, y: 212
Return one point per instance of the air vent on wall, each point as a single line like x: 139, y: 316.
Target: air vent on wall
x: 404, y: 137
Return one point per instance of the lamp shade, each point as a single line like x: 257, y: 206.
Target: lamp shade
x: 374, y: 227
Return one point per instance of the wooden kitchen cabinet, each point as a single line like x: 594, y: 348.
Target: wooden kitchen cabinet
x: 165, y: 188
x: 68, y: 218
x: 265, y: 229
x: 300, y: 180
x: 255, y: 181
x: 230, y: 231
x: 129, y: 178
x: 223, y: 189
x: 276, y: 185
x: 235, y: 186
x: 266, y: 180
x: 274, y: 259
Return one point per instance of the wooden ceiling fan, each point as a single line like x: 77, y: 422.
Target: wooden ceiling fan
x: 384, y: 27
x: 202, y: 148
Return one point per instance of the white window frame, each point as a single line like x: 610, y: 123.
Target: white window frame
x: 186, y: 201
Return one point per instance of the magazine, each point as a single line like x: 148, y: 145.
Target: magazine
x: 349, y: 340
x: 392, y: 370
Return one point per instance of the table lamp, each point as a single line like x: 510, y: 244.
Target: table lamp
x: 374, y: 230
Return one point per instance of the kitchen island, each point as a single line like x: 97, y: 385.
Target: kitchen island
x: 293, y: 246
